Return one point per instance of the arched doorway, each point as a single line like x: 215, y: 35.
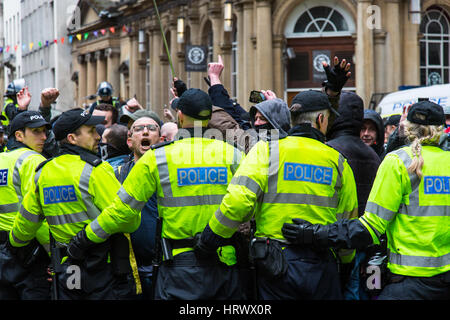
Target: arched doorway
x: 316, y: 31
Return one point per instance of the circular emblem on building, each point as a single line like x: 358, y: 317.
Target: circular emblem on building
x: 196, y: 55
x: 434, y: 78
x: 318, y: 62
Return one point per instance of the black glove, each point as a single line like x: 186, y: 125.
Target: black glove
x: 26, y: 255
x: 202, y: 249
x: 180, y: 86
x: 304, y: 233
x: 78, y: 246
x: 336, y: 77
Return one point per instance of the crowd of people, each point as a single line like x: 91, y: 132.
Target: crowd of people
x: 217, y: 202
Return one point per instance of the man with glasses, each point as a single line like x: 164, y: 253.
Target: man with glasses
x: 144, y: 132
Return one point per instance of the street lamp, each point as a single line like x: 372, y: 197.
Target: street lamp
x: 228, y: 16
x: 180, y: 29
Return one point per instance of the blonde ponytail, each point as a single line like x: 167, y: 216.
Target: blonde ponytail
x: 419, y: 135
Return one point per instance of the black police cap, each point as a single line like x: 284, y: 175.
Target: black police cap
x: 70, y: 121
x: 312, y: 100
x: 426, y: 113
x: 28, y: 119
x: 195, y: 103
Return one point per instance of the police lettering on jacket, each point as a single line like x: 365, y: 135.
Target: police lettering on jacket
x: 437, y: 185
x: 202, y: 175
x: 308, y: 173
x: 59, y: 194
x: 3, y: 177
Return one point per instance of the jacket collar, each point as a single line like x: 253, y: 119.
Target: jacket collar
x: 307, y: 131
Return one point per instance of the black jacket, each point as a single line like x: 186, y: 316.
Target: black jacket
x: 345, y: 138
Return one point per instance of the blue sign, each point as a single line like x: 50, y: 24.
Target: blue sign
x: 3, y: 177
x: 59, y: 194
x: 307, y: 173
x: 436, y: 185
x: 202, y: 175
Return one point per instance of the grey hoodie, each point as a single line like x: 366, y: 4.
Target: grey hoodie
x: 276, y: 111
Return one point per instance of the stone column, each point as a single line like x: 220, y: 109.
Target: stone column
x: 264, y: 53
x: 112, y: 69
x: 101, y: 66
x: 364, y: 54
x: 411, y: 50
x: 248, y: 66
x: 82, y: 84
x: 380, y: 55
x: 278, y: 66
x: 155, y: 67
x: 91, y: 74
x: 393, y: 63
x: 240, y: 53
x: 134, y: 67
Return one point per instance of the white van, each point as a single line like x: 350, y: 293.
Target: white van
x: 394, y: 102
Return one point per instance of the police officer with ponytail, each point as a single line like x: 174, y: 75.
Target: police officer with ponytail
x: 410, y: 202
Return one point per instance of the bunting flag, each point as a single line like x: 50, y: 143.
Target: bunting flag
x: 79, y: 36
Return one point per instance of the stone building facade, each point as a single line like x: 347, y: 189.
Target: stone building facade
x: 268, y: 44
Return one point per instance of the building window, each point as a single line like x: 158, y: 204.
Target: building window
x: 434, y: 48
x: 319, y: 20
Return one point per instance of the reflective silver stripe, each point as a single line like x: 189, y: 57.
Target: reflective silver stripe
x: 425, y: 211
x: 274, y: 164
x: 129, y: 200
x: 36, y: 176
x: 413, y: 209
x: 29, y: 216
x: 17, y: 239
x: 378, y: 210
x: 16, y: 175
x: 227, y: 222
x: 249, y: 183
x: 297, y: 198
x: 91, y: 210
x: 9, y: 208
x: 163, y: 171
x: 344, y: 215
x: 419, y: 261
x: 99, y: 232
x: 340, y: 171
x: 67, y: 218
x: 237, y: 157
x: 377, y: 233
x: 189, y: 201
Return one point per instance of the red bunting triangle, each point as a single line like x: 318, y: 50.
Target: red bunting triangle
x: 112, y: 29
x: 62, y: 40
x: 103, y: 31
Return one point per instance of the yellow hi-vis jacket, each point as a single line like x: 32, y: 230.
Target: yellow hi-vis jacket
x: 68, y: 193
x: 17, y: 169
x: 414, y: 213
x: 294, y: 177
x: 190, y: 177
x: 7, y: 102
